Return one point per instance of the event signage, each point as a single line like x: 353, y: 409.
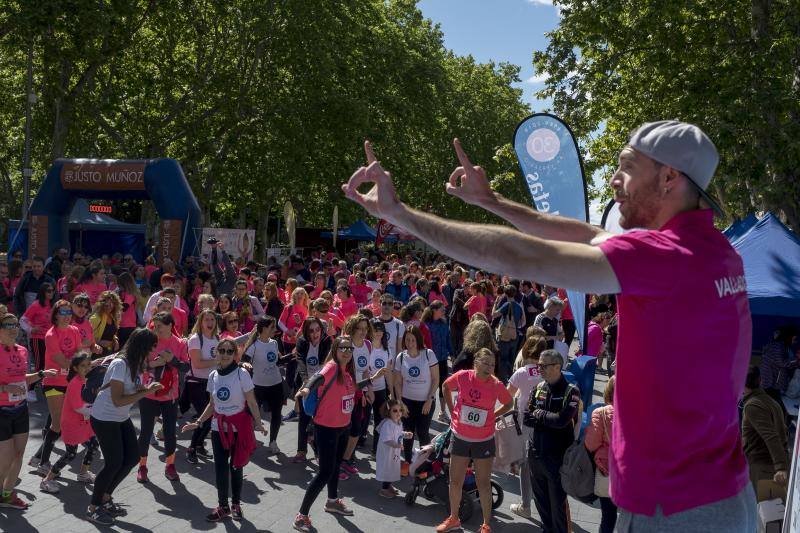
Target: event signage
x: 37, y: 236
x: 236, y: 242
x: 551, y: 164
x: 388, y: 231
x: 96, y: 208
x: 103, y: 175
x: 170, y: 236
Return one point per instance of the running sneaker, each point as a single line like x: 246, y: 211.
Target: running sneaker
x: 43, y: 469
x: 141, y: 475
x: 273, y: 448
x: 34, y: 462
x: 219, y: 514
x: 443, y: 417
x: 520, y: 510
x: 49, y: 486
x: 113, y: 509
x: 202, y: 452
x: 451, y: 523
x: 14, y: 502
x: 303, y: 523
x: 99, y: 516
x: 338, y: 507
x: 171, y: 473
x: 343, y: 476
x: 349, y: 467
x: 299, y: 458
x: 236, y: 511
x: 387, y: 493
x: 291, y: 416
x: 191, y: 456
x: 86, y: 477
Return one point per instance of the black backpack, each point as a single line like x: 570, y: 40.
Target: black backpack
x: 94, y: 380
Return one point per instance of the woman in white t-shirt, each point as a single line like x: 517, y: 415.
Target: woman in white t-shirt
x: 230, y: 391
x: 262, y: 357
x: 203, y: 356
x: 111, y: 421
x: 521, y: 384
x: 416, y: 379
x: 378, y: 359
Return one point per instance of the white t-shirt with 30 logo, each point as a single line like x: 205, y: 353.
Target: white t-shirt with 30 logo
x: 416, y: 373
x: 379, y: 358
x: 264, y: 357
x: 228, y: 392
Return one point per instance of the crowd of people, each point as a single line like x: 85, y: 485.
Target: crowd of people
x: 221, y: 343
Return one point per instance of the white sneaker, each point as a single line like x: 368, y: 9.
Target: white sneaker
x: 32, y: 396
x: 519, y: 510
x: 43, y: 469
x: 273, y: 448
x: 86, y: 477
x: 49, y: 486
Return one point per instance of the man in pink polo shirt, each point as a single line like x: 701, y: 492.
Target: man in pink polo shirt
x: 676, y: 457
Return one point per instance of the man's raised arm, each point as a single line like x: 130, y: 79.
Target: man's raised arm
x: 468, y: 182
x: 497, y: 248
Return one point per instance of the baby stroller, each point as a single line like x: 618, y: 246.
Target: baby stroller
x: 431, y: 472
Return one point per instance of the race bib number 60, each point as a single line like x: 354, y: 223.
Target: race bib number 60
x: 473, y: 416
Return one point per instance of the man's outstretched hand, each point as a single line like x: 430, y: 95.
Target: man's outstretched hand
x: 468, y: 181
x: 381, y: 200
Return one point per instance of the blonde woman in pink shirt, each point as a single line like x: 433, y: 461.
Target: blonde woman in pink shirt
x: 598, y: 439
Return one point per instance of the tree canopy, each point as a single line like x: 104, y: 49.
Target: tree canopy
x: 730, y: 66
x: 261, y: 101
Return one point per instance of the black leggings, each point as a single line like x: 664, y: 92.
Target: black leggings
x: 120, y: 453
x: 37, y: 351
x: 444, y: 372
x: 418, y: 424
x: 150, y: 410
x: 330, y: 443
x: 72, y: 452
x: 609, y: 516
x: 271, y: 399
x: 568, y: 325
x: 380, y: 399
x: 198, y: 396
x: 225, y: 472
x: 302, y: 431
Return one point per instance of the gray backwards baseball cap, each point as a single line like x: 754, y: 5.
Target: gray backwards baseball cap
x: 683, y: 147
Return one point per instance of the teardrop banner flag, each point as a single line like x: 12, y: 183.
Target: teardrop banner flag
x: 549, y: 158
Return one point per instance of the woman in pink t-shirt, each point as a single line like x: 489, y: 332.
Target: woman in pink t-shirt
x: 476, y: 302
x: 473, y: 420
x: 292, y: 318
x: 345, y: 302
x: 129, y: 296
x: 93, y: 282
x: 36, y: 321
x: 336, y: 385
x: 75, y: 425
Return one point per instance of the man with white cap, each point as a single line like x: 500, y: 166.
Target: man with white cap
x: 676, y: 457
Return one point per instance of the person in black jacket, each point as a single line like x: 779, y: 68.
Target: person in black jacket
x: 312, y: 348
x: 552, y: 413
x: 28, y: 286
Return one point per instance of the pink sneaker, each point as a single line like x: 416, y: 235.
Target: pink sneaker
x: 141, y: 475
x: 171, y: 473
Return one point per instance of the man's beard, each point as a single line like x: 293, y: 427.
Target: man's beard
x: 639, y: 209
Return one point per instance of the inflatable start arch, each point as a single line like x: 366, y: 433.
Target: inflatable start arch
x: 160, y: 180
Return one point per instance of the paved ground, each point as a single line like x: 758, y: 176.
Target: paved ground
x: 272, y: 493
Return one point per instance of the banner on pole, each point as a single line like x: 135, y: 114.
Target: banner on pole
x: 237, y: 242
x: 553, y: 170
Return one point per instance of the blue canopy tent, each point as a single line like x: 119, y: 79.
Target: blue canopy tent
x: 357, y: 231
x: 740, y: 227
x: 94, y: 234
x: 771, y: 255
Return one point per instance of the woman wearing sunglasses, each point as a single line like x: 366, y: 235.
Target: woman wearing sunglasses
x: 80, y: 319
x: 474, y: 414
x: 14, y: 423
x: 232, y: 438
x: 337, y: 386
x: 312, y: 345
x: 62, y: 340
